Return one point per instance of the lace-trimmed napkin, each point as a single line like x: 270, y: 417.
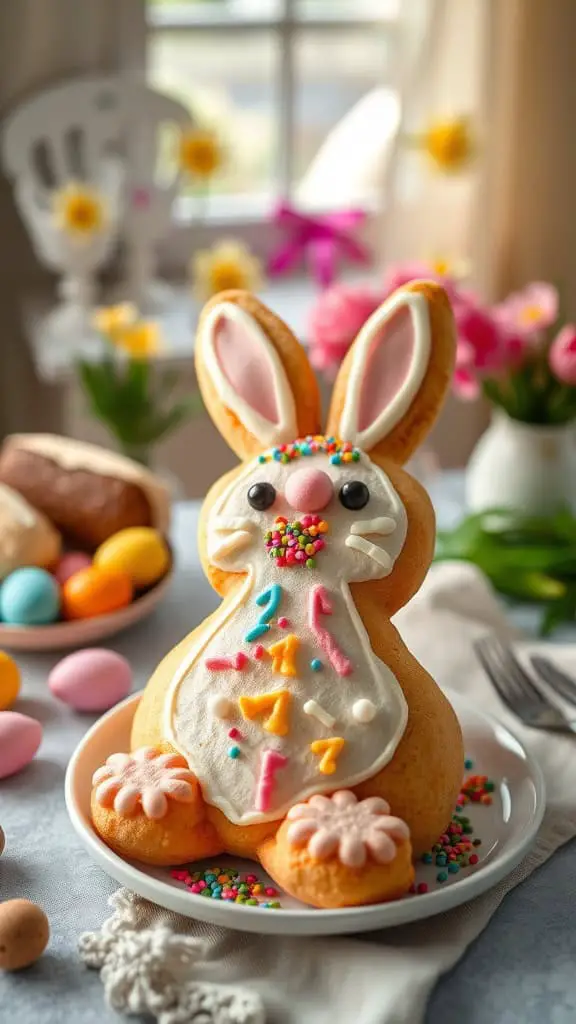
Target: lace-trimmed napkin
x: 184, y: 972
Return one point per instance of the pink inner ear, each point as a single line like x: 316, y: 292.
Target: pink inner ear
x: 387, y: 366
x: 246, y: 367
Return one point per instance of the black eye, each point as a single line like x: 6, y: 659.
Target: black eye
x: 354, y: 495
x: 261, y: 496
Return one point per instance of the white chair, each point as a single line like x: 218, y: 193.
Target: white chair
x: 105, y: 131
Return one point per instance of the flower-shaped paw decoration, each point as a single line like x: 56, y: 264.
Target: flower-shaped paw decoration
x: 147, y: 778
x: 342, y: 825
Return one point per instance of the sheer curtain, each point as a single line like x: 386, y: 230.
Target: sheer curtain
x: 41, y: 42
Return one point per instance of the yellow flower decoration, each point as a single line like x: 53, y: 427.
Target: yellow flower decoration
x: 79, y: 211
x: 110, y: 319
x: 449, y: 144
x: 229, y: 264
x: 457, y: 269
x: 139, y: 340
x: 201, y: 154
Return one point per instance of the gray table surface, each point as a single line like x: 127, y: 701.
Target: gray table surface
x: 521, y: 969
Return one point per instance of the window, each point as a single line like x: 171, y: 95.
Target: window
x: 273, y: 77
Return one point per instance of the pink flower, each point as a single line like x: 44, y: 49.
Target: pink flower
x: 145, y: 777
x: 481, y: 338
x: 400, y: 274
x: 335, y: 320
x: 530, y: 310
x: 341, y: 825
x: 465, y: 384
x: 397, y: 275
x: 562, y: 355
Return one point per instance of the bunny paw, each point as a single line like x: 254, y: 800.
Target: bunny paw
x: 147, y: 805
x: 337, y: 851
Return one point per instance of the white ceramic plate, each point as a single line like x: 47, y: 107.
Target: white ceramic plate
x: 506, y: 828
x: 82, y: 632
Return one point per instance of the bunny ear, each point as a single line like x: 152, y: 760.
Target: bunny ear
x: 254, y: 376
x: 394, y: 379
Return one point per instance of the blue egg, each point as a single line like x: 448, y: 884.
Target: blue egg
x: 29, y: 597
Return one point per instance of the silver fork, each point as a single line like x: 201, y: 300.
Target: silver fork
x: 559, y: 681
x: 515, y: 687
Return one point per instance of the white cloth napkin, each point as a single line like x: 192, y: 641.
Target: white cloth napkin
x: 153, y: 961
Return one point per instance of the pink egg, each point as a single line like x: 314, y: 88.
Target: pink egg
x: 70, y: 563
x: 20, y: 737
x: 91, y: 680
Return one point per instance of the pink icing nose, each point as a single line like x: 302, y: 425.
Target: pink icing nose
x: 308, y: 490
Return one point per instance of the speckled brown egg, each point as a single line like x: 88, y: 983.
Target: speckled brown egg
x: 24, y: 934
x: 2, y: 841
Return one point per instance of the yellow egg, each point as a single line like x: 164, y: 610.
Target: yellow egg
x: 138, y: 551
x: 9, y: 681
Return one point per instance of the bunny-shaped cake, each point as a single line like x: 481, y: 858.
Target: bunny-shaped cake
x: 293, y: 726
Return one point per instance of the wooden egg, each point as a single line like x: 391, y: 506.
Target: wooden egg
x: 139, y: 551
x: 24, y: 934
x: 9, y: 681
x: 95, y: 591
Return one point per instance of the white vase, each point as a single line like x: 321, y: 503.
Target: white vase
x: 522, y: 466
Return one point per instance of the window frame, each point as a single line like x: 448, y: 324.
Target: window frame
x: 248, y: 217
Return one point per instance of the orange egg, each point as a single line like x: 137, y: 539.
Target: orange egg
x: 95, y: 591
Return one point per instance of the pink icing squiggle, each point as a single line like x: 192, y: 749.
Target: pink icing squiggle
x: 272, y: 761
x: 319, y: 604
x: 221, y: 664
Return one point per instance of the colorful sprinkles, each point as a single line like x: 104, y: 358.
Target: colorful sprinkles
x: 227, y: 885
x: 297, y: 543
x: 455, y: 849
x: 313, y: 444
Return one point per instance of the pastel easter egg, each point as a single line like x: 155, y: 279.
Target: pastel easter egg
x: 139, y: 551
x: 20, y: 737
x: 70, y: 563
x: 91, y: 680
x: 24, y: 934
x: 95, y: 591
x: 29, y: 597
x: 9, y: 681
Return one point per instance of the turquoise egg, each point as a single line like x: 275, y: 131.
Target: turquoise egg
x: 29, y: 597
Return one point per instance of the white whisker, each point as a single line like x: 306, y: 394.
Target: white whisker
x: 228, y: 545
x: 383, y: 525
x: 374, y: 552
x: 233, y: 523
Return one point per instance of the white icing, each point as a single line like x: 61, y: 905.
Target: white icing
x: 286, y: 429
x: 222, y: 707
x: 71, y: 454
x: 364, y: 711
x: 390, y: 416
x: 231, y: 784
x: 235, y: 541
x: 382, y: 524
x: 372, y: 550
x: 312, y: 707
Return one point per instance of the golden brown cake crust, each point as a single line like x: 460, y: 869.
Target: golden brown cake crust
x: 420, y: 782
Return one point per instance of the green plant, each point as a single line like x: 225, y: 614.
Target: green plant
x: 527, y: 558
x: 131, y: 396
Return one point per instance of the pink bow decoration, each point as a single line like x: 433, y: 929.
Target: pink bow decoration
x: 321, y: 240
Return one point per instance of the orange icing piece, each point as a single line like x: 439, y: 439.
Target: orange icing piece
x: 329, y: 750
x: 283, y: 655
x: 277, y: 704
